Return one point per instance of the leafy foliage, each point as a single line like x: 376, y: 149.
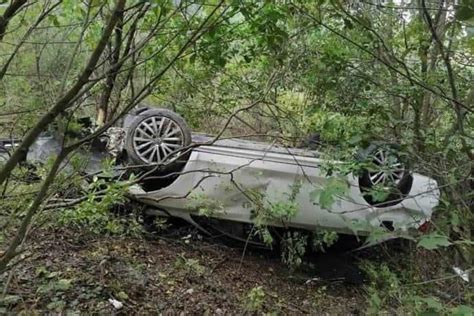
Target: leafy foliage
x: 325, y: 197
x: 350, y: 72
x: 95, y: 213
x: 204, y: 205
x: 294, y: 246
x: 255, y: 299
x: 433, y: 241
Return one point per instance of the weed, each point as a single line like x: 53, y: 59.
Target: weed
x: 204, y: 205
x: 293, y: 249
x: 189, y: 266
x: 254, y: 299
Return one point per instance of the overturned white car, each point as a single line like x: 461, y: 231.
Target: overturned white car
x: 241, y: 181
x: 236, y: 185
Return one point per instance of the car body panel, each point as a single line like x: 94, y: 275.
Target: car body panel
x: 227, y: 171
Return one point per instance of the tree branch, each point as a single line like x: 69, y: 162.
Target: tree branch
x: 64, y: 102
x: 9, y: 13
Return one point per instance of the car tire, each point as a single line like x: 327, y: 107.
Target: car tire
x: 154, y: 139
x: 394, y: 174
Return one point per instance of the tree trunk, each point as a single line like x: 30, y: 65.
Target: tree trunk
x: 111, y: 76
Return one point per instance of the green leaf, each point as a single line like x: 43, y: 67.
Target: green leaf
x: 41, y: 271
x: 122, y: 295
x: 432, y: 303
x: 327, y: 196
x: 326, y: 199
x: 462, y: 310
x: 357, y: 225
x: 63, y: 284
x: 433, y: 241
x: 379, y: 193
x: 54, y: 20
x: 377, y: 235
x: 53, y: 275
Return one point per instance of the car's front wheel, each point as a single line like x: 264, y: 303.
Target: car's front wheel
x: 157, y: 138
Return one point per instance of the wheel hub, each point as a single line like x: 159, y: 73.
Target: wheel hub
x: 157, y: 139
x: 390, y: 169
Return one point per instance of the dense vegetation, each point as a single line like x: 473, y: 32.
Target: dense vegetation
x: 352, y: 71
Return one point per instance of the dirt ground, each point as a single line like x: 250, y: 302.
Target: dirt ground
x: 74, y: 272
x: 71, y: 272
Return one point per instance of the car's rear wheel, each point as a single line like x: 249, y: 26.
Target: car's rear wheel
x: 386, y: 179
x: 157, y: 138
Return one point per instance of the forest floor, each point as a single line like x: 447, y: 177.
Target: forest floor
x: 76, y: 272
